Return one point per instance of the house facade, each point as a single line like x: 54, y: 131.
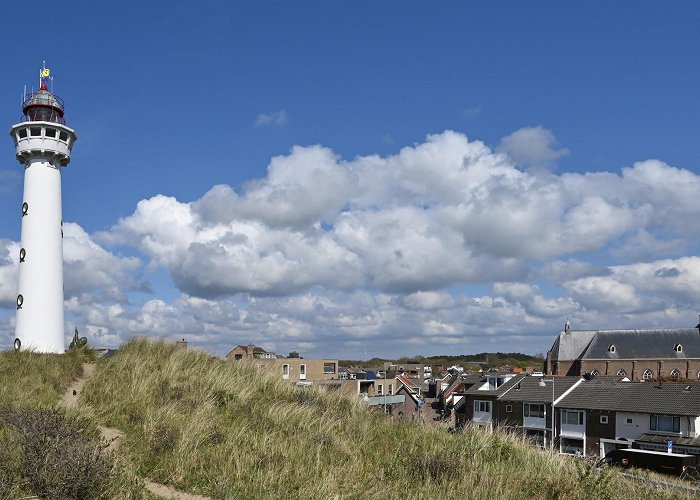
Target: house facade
x: 607, y: 413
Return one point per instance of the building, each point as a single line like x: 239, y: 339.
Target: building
x: 249, y: 351
x: 304, y: 371
x: 43, y: 145
x: 607, y: 413
x: 294, y: 368
x: 476, y: 404
x: 527, y: 407
x: 636, y: 354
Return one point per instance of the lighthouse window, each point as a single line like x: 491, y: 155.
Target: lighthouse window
x: 22, y: 133
x: 35, y: 131
x: 22, y: 254
x: 63, y: 136
x: 50, y: 132
x: 20, y: 301
x: 25, y: 208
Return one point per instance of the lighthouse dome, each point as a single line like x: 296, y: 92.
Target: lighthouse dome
x: 43, y: 106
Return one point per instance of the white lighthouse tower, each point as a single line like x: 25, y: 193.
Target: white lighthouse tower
x: 43, y: 145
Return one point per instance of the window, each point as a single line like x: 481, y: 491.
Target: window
x: 35, y: 131
x: 63, y: 136
x: 572, y: 417
x: 328, y: 368
x: 533, y: 410
x: 648, y: 374
x: 391, y: 389
x: 621, y: 373
x: 595, y: 373
x: 22, y: 133
x: 50, y: 132
x: 22, y: 254
x: 603, y: 419
x: 572, y: 446
x: 628, y: 421
x: 675, y: 374
x: 285, y: 371
x: 482, y: 406
x: 238, y: 356
x: 20, y: 301
x: 302, y: 372
x: 664, y: 423
x: 380, y: 389
x: 509, y: 408
x: 678, y: 348
x: 611, y: 348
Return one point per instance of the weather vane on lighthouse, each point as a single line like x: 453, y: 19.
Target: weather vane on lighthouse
x: 43, y: 145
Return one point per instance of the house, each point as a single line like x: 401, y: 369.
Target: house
x: 294, y: 368
x: 607, y: 413
x: 417, y: 371
x: 249, y: 351
x: 412, y: 385
x: 304, y: 371
x: 476, y: 404
x: 672, y: 353
x: 411, y: 406
x: 450, y: 396
x: 527, y: 406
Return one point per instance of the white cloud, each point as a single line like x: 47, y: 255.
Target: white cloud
x: 276, y: 118
x: 331, y: 254
x: 532, y: 146
x: 440, y: 213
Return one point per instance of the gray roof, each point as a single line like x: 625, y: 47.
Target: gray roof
x: 610, y: 393
x: 529, y: 389
x: 496, y: 392
x: 629, y: 344
x: 570, y: 345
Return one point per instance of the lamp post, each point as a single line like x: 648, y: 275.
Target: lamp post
x: 542, y: 383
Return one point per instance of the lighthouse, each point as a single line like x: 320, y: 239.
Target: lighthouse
x: 43, y: 145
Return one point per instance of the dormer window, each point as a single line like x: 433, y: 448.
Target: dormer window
x: 678, y: 348
x: 611, y: 348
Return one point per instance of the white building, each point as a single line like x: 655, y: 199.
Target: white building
x: 43, y: 145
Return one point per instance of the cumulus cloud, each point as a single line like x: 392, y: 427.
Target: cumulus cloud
x: 89, y: 271
x: 532, y: 146
x: 445, y: 243
x: 440, y: 213
x: 276, y: 118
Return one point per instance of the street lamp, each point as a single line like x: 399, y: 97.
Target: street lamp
x: 541, y: 383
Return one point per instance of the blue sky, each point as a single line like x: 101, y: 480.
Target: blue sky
x: 411, y: 177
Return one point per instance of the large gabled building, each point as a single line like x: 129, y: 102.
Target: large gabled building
x: 672, y: 353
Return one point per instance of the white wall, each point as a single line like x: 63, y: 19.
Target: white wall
x: 640, y: 425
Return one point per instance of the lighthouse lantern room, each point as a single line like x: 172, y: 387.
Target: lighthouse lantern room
x: 43, y: 146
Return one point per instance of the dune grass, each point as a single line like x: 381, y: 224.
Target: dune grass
x: 47, y: 450
x: 233, y: 430
x: 29, y: 379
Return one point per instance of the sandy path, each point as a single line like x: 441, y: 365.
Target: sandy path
x: 114, y: 437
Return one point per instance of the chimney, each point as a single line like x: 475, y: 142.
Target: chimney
x: 181, y: 345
